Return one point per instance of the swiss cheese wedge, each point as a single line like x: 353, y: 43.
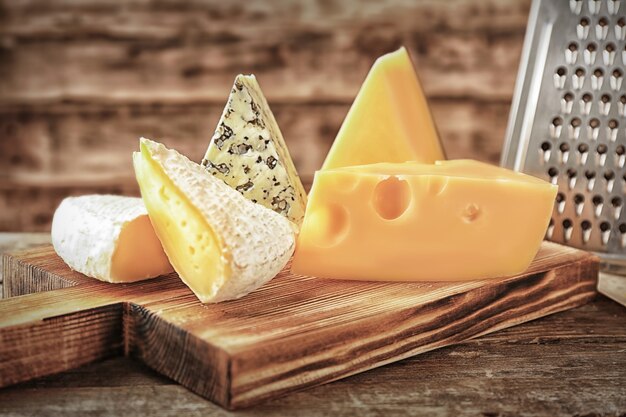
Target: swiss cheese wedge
x: 249, y: 153
x: 389, y: 120
x: 108, y: 237
x: 454, y: 220
x: 221, y: 244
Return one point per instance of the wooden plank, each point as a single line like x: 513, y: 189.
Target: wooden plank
x: 322, y: 52
x: 450, y: 65
x: 554, y: 366
x: 166, y: 19
x: 12, y: 242
x: 293, y: 333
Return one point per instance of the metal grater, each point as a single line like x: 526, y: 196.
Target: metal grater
x: 568, y: 120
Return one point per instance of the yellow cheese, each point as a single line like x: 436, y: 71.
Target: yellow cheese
x: 108, y: 237
x: 454, y: 220
x: 389, y: 120
x: 221, y: 244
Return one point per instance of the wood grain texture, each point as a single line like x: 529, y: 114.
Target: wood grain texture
x: 295, y: 332
x: 566, y: 364
x: 304, y: 50
x: 80, y: 82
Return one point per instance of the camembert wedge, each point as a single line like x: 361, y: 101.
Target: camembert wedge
x: 221, y: 244
x: 249, y: 153
x: 109, y: 238
x: 451, y: 221
x: 389, y: 120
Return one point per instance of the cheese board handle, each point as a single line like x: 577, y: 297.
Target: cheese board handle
x: 53, y: 331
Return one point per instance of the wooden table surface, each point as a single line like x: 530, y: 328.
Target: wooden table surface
x: 570, y: 363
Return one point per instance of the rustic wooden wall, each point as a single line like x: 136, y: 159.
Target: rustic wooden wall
x: 81, y: 81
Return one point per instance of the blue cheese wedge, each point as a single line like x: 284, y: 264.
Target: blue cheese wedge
x: 249, y: 153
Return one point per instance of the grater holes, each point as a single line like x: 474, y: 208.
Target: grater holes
x: 605, y: 229
x: 593, y: 129
x: 578, y: 78
x: 598, y: 203
x: 594, y: 6
x: 560, y: 203
x: 604, y: 105
x: 621, y: 106
x: 620, y: 29
x: 571, y: 177
x: 613, y: 6
x: 601, y: 151
x: 620, y: 156
x: 579, y: 202
x: 583, y: 152
x: 571, y: 53
x: 597, y: 77
x: 555, y: 127
x: 553, y: 173
x: 589, y: 54
x: 567, y: 229
x: 617, y: 204
x: 608, y: 55
x: 574, y: 128
x: 612, y: 127
x: 585, y: 227
x: 582, y: 29
x: 622, y: 231
x: 545, y: 151
x: 609, y: 178
x: 591, y: 179
x: 567, y: 103
x: 602, y: 28
x: 617, y: 77
x: 559, y: 77
x: 585, y: 103
x: 575, y: 6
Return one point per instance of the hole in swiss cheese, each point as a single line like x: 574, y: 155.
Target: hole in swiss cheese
x: 391, y: 197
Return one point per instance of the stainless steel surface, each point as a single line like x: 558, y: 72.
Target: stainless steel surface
x: 568, y: 120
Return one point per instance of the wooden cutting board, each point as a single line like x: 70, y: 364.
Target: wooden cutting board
x: 295, y: 332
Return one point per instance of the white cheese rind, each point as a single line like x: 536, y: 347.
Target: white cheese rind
x: 248, y: 152
x: 85, y: 231
x: 258, y: 242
